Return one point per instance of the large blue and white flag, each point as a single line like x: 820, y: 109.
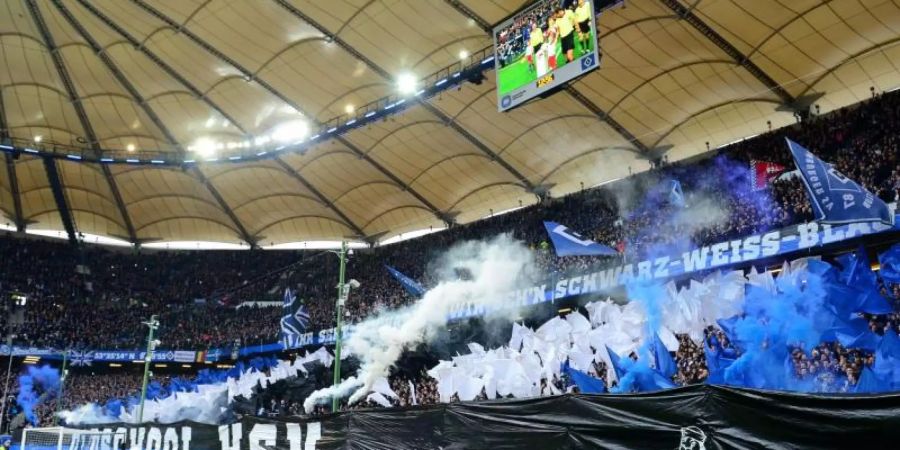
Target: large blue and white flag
x: 294, y: 319
x: 569, y: 243
x: 835, y: 198
x: 412, y: 286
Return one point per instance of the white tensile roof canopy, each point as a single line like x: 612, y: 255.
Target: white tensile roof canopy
x: 158, y: 77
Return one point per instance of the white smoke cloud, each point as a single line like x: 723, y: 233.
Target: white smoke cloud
x: 324, y: 395
x: 480, y: 272
x: 89, y: 413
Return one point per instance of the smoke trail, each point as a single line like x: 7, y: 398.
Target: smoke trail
x: 482, y: 272
x: 323, y: 395
x: 36, y: 386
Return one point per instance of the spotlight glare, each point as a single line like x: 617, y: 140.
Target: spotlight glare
x: 38, y: 138
x: 130, y: 147
x: 204, y: 147
x: 463, y: 54
x: 290, y: 131
x: 349, y: 109
x: 406, y: 83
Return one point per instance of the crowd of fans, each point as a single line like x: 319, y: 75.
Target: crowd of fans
x: 92, y: 297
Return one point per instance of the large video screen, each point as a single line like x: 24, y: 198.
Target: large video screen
x: 544, y: 46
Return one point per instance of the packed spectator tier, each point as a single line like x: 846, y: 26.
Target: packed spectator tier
x: 88, y: 296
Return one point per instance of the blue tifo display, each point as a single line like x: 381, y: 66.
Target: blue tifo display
x: 768, y: 322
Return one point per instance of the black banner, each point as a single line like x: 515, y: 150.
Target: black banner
x: 693, y: 418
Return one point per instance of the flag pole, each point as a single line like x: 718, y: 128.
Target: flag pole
x: 9, y: 339
x: 62, y: 386
x: 343, y: 291
x: 153, y: 324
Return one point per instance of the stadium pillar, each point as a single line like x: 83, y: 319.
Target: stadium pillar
x: 153, y: 324
x: 62, y: 387
x: 343, y: 291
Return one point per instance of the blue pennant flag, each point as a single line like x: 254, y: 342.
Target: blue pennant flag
x: 412, y: 286
x: 728, y: 327
x: 869, y: 383
x: 676, y: 196
x: 857, y: 274
x: 890, y: 264
x: 294, y: 319
x: 569, y: 243
x: 857, y: 271
x: 866, y: 340
x: 835, y: 198
x: 665, y: 365
x: 586, y: 383
x: 716, y: 364
x: 616, y: 363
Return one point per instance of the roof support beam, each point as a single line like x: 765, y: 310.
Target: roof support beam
x: 431, y: 108
x: 296, y: 175
x: 209, y: 48
x: 49, y: 163
x: 79, y: 108
x: 138, y: 45
x: 603, y: 116
x: 250, y: 76
x: 14, y: 188
x: 59, y: 195
x: 688, y: 15
x: 120, y: 77
x: 114, y: 70
x: 11, y: 171
x: 247, y: 237
x: 570, y: 89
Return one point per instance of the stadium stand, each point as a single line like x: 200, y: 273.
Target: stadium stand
x: 93, y: 297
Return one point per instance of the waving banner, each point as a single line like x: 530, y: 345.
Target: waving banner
x: 294, y: 320
x: 835, y: 198
x: 700, y: 417
x: 569, y: 243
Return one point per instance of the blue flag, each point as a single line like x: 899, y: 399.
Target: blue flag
x: 676, y: 196
x: 586, y: 383
x: 412, y: 286
x: 569, y: 243
x: 294, y: 319
x: 665, y: 365
x: 616, y: 363
x: 890, y: 264
x: 869, y: 383
x: 835, y: 198
x: 857, y: 271
x: 716, y: 364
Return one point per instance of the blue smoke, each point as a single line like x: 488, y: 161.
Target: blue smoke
x: 37, y: 385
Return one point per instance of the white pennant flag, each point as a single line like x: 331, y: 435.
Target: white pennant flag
x: 412, y: 392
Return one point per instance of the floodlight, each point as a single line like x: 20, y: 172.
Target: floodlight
x: 406, y: 83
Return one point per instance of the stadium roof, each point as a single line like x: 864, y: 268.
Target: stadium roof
x: 165, y: 80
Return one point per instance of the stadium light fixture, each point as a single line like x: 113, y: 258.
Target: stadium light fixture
x: 204, y: 147
x: 406, y: 83
x: 38, y: 138
x: 290, y: 131
x: 349, y: 108
x: 130, y: 147
x: 463, y: 54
